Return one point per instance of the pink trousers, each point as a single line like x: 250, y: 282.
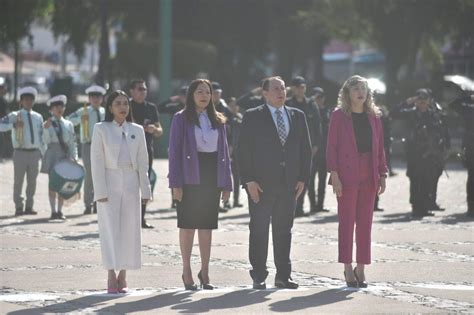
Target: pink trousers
x: 356, y: 206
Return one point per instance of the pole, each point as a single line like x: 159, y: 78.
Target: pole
x: 165, y: 43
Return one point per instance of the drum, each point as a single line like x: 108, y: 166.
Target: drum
x: 152, y: 179
x: 66, y: 178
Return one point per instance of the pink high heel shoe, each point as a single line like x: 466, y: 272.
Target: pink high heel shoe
x: 123, y: 289
x: 112, y: 289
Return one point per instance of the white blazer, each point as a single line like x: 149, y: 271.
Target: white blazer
x: 105, y: 148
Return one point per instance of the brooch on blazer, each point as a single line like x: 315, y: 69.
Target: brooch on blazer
x: 132, y: 136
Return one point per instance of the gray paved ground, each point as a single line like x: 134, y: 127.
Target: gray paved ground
x: 420, y: 266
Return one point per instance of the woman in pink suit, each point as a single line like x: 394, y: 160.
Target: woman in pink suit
x: 356, y: 160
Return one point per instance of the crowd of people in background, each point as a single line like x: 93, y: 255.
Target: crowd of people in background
x: 274, y: 141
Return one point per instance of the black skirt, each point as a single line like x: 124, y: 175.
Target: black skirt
x: 199, y: 208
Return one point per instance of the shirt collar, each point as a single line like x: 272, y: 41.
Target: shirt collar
x: 203, y: 113
x: 274, y: 109
x: 116, y: 123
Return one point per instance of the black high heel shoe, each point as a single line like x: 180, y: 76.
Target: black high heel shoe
x: 361, y: 284
x: 350, y: 284
x: 205, y: 286
x: 189, y: 287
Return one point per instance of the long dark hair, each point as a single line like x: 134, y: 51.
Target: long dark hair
x: 110, y: 99
x: 215, y: 117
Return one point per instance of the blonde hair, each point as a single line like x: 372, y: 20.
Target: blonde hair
x: 344, y: 99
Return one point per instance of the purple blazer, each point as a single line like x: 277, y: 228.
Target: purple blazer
x: 341, y: 154
x: 183, y: 155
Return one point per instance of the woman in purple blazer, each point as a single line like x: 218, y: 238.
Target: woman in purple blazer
x: 356, y: 160
x: 199, y: 174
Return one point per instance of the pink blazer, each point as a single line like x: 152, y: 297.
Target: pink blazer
x: 342, y: 154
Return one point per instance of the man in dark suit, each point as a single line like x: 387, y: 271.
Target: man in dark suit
x: 275, y: 163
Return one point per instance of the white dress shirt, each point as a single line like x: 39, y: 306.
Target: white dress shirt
x: 206, y: 137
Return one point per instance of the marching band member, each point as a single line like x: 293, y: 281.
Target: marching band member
x: 87, y: 116
x: 27, y: 131
x: 60, y: 139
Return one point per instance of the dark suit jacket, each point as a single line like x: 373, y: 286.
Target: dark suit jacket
x: 261, y: 154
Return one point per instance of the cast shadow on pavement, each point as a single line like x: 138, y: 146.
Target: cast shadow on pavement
x: 243, y: 298
x: 77, y: 305
x: 298, y: 303
x: 231, y: 300
x: 457, y: 218
x: 25, y: 220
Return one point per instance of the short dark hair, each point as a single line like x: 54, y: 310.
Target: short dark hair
x: 135, y: 82
x: 110, y: 99
x: 266, y: 82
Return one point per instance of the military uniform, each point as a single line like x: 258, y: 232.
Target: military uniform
x: 313, y: 119
x: 320, y: 163
x: 425, y: 149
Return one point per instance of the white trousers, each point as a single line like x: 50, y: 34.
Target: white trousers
x: 120, y: 220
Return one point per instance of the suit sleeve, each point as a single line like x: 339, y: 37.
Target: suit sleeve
x: 175, y: 169
x: 332, y: 145
x: 305, y: 154
x: 98, y: 165
x: 142, y: 163
x: 246, y: 150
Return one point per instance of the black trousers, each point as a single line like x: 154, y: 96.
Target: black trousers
x: 421, y: 187
x: 470, y: 190
x: 150, y: 166
x: 310, y: 188
x: 236, y: 179
x: 322, y: 171
x: 388, y: 155
x: 276, y: 205
x: 434, y: 186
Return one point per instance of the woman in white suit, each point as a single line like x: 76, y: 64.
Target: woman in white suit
x: 119, y: 162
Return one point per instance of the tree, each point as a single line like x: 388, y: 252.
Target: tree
x: 16, y: 18
x: 400, y: 29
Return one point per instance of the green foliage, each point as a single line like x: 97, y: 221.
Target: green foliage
x: 138, y: 58
x: 16, y: 17
x: 78, y: 21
